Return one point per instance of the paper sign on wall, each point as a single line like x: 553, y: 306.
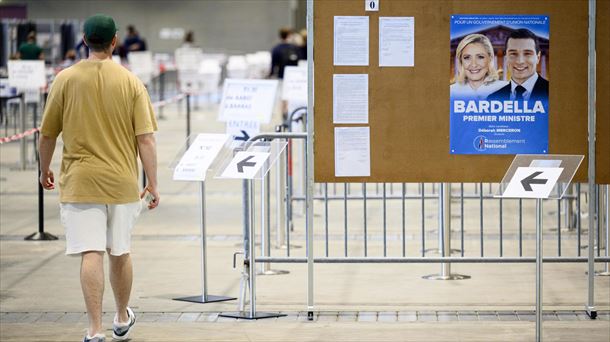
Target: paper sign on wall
x: 197, y: 159
x: 245, y: 99
x: 26, y: 74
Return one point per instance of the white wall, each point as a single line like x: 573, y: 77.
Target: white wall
x: 229, y: 25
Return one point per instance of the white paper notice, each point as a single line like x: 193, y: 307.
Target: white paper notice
x: 294, y: 86
x: 197, y: 159
x: 351, y: 40
x: 396, y: 41
x: 352, y: 152
x: 351, y: 98
x: 247, y: 99
x: 26, y: 74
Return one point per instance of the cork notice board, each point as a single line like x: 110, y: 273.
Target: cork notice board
x: 409, y: 107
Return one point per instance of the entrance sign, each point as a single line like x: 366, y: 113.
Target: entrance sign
x: 499, y: 104
x: 532, y: 182
x: 245, y: 165
x: 242, y: 130
x: 199, y: 156
x: 248, y: 99
x: 26, y: 74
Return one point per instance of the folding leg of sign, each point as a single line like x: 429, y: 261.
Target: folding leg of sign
x: 539, y: 176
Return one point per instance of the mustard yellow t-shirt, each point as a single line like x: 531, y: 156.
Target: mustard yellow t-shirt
x: 99, y: 107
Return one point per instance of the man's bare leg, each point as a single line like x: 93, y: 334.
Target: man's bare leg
x: 121, y: 276
x: 92, y: 284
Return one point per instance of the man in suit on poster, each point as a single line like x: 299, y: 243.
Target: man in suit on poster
x: 523, y: 55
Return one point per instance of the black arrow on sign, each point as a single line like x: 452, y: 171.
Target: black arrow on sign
x: 244, y: 163
x: 529, y: 180
x: 244, y: 136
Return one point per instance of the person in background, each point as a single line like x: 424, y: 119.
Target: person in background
x: 106, y: 120
x: 133, y: 42
x: 69, y: 60
x: 303, y: 46
x: 283, y: 54
x: 189, y: 40
x: 30, y: 50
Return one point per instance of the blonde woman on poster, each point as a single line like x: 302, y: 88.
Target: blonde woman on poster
x: 477, y: 76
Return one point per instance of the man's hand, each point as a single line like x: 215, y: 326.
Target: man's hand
x: 155, y: 196
x: 47, y: 180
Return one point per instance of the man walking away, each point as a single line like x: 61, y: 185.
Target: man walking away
x: 106, y: 119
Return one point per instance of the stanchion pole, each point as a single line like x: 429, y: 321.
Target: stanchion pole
x: 22, y: 142
x: 204, y: 297
x: 41, y: 235
x: 604, y: 218
x: 266, y: 226
x: 188, y: 117
x: 161, y: 93
x: 444, y: 227
x: 539, y: 270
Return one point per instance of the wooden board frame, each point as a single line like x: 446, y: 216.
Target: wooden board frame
x: 409, y: 107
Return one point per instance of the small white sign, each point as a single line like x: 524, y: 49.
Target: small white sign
x: 141, y: 64
x: 244, y: 99
x: 371, y: 5
x: 242, y: 130
x: 26, y: 74
x: 197, y: 159
x: 294, y: 85
x: 245, y: 165
x: 532, y: 182
x: 188, y: 58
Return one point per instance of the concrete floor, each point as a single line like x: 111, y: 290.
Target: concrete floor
x: 40, y: 297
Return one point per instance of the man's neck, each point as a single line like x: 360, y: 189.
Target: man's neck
x: 99, y: 56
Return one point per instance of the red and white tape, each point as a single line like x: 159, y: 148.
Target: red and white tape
x: 168, y: 101
x: 19, y: 135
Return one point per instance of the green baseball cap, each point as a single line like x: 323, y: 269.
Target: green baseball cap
x: 99, y: 29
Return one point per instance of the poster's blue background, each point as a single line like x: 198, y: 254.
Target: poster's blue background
x: 463, y: 135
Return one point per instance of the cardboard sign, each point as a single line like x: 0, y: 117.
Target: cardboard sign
x: 26, y: 74
x: 245, y: 99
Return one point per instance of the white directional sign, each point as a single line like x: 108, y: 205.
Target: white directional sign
x: 199, y: 156
x: 242, y: 130
x: 532, y: 182
x: 26, y: 74
x: 246, y: 99
x: 245, y: 165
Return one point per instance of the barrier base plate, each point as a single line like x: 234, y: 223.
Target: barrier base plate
x: 446, y: 277
x: 201, y: 300
x: 246, y: 315
x: 38, y: 236
x: 272, y: 272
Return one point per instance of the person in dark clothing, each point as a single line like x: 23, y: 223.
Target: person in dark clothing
x: 133, y: 42
x: 283, y: 54
x: 30, y: 50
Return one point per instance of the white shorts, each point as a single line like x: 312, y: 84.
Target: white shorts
x: 96, y: 227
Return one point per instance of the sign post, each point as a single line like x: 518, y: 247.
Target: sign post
x: 540, y: 177
x: 192, y: 166
x: 249, y: 162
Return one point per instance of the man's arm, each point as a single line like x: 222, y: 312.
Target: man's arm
x: 46, y: 147
x: 148, y: 155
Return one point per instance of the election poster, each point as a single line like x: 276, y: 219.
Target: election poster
x: 499, y: 84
